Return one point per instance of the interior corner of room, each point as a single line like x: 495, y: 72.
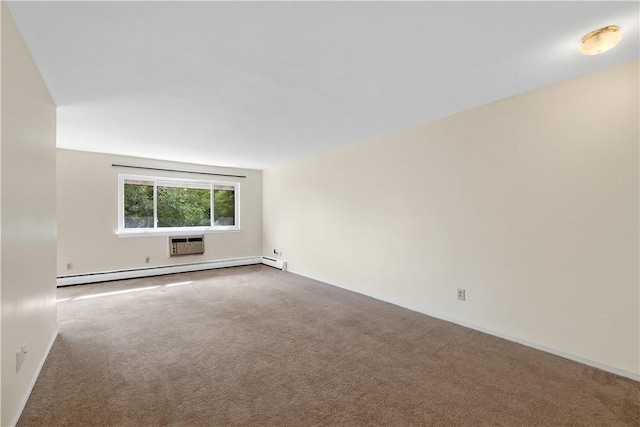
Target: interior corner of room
x: 528, y: 204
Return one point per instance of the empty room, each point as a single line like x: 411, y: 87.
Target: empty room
x: 320, y: 213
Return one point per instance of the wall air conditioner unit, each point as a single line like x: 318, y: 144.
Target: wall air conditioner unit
x: 275, y: 263
x: 193, y: 245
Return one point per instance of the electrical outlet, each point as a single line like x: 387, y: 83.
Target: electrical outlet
x: 69, y: 266
x: 21, y: 356
x: 461, y: 294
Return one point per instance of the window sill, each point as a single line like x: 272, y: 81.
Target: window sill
x: 175, y: 232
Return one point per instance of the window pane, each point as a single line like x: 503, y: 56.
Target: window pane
x: 138, y: 204
x: 183, y: 205
x: 224, y: 205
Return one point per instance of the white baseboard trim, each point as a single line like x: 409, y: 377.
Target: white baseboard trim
x: 540, y: 347
x: 33, y: 380
x: 105, y: 276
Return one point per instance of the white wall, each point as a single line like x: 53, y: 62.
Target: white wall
x: 88, y: 215
x: 28, y: 218
x: 529, y: 203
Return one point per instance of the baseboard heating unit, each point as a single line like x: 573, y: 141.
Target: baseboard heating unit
x: 275, y: 263
x: 106, y: 276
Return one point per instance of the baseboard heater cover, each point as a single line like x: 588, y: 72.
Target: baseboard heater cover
x: 275, y: 263
x: 106, y: 276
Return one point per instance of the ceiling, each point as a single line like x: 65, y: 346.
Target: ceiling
x: 259, y: 84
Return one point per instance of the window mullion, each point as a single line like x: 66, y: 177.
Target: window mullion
x: 120, y: 202
x: 155, y: 204
x: 211, y: 204
x: 236, y: 206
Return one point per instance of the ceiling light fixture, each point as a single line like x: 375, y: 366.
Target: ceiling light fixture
x: 600, y: 41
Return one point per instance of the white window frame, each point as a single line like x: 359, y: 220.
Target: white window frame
x: 131, y: 232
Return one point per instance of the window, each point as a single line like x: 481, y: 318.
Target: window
x: 151, y: 204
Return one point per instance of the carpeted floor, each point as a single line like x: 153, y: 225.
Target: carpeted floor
x: 257, y: 346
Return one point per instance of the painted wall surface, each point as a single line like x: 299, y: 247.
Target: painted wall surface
x: 88, y: 215
x: 28, y: 217
x: 529, y: 203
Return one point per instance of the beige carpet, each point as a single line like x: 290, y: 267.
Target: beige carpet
x: 257, y: 346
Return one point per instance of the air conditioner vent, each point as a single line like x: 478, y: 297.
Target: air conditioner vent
x: 186, y: 245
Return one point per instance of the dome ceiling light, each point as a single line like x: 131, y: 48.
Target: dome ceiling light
x: 600, y: 41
